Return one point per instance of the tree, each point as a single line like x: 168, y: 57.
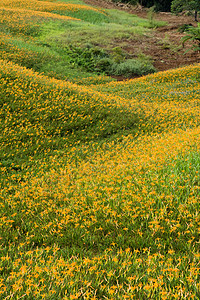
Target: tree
x: 190, y: 5
x: 133, y: 2
x: 160, y: 5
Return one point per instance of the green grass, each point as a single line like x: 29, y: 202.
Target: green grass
x: 92, y: 17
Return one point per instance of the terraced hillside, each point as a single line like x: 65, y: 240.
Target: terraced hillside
x: 99, y: 179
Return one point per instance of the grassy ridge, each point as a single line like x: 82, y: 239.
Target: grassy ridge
x: 99, y: 194
x: 44, y: 113
x: 39, y: 113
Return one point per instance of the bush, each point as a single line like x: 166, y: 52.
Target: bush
x: 132, y: 67
x: 193, y: 34
x: 104, y: 64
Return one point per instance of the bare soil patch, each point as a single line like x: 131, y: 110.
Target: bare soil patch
x: 164, y: 44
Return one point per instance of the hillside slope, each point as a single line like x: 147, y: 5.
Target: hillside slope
x: 99, y: 179
x: 99, y: 184
x: 164, y: 44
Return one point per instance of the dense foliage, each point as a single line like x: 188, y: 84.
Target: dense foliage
x: 190, y: 5
x: 168, y: 5
x: 160, y: 5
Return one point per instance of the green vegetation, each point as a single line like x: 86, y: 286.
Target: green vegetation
x: 193, y: 34
x: 159, y: 5
x: 73, y: 49
x: 99, y: 185
x: 132, y: 66
x: 178, y: 6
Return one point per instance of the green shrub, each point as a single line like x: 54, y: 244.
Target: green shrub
x: 132, y: 67
x: 104, y: 64
x: 193, y: 34
x: 118, y: 54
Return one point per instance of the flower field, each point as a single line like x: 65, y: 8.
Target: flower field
x: 100, y: 182
x: 45, y: 6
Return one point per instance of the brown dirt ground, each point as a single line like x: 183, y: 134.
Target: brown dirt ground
x: 164, y: 44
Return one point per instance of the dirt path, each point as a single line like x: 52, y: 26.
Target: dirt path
x: 164, y: 45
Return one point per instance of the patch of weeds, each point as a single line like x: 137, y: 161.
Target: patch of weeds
x: 144, y: 58
x: 97, y: 60
x: 168, y: 45
x: 152, y: 23
x: 90, y: 58
x: 151, y: 16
